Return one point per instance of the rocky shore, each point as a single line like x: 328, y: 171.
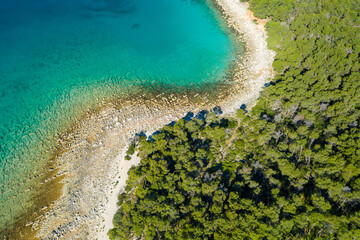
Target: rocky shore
x: 93, y: 162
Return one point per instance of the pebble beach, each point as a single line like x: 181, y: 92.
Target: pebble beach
x: 93, y: 164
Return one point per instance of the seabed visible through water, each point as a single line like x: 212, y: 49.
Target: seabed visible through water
x: 64, y: 62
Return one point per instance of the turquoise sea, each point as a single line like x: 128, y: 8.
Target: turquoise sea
x: 61, y: 57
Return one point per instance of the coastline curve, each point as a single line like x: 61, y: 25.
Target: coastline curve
x: 93, y: 163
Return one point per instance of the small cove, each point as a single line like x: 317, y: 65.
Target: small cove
x: 60, y: 58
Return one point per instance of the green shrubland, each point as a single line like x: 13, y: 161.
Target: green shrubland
x: 287, y: 169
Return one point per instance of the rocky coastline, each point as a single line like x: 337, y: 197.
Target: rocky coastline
x: 93, y: 164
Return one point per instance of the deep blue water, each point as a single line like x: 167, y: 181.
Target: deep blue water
x: 59, y: 57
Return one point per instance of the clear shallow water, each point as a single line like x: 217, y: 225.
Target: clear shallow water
x: 60, y: 57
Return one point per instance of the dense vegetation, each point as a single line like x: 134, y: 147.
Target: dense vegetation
x: 288, y: 169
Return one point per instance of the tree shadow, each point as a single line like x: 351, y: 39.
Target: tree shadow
x: 188, y: 116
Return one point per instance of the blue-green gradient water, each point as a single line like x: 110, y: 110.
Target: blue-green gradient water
x: 60, y: 57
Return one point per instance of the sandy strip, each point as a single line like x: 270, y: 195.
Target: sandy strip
x: 111, y: 206
x: 256, y: 68
x: 94, y: 162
